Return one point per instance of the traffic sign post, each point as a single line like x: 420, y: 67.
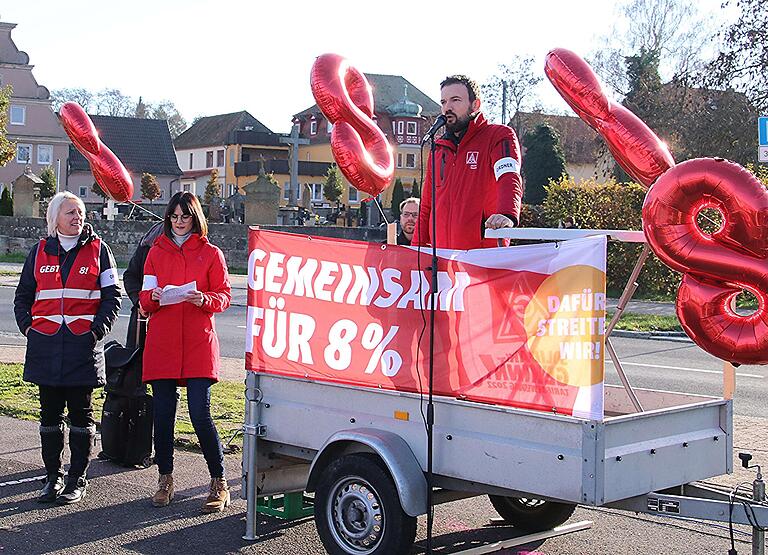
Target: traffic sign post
x: 762, y: 136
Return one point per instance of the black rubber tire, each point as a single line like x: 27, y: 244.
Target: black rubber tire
x: 530, y: 514
x: 148, y: 461
x: 336, y: 491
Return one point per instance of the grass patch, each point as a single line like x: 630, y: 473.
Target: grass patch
x: 14, y: 257
x: 19, y: 399
x: 646, y: 322
x: 237, y: 270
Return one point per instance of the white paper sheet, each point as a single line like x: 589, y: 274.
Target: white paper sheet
x: 174, y: 294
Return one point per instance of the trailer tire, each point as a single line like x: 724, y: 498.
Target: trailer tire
x: 358, y: 511
x: 530, y: 514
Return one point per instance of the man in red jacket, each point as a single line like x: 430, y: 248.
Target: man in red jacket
x: 477, y: 167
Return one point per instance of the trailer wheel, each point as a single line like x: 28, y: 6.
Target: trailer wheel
x: 530, y: 514
x: 358, y: 511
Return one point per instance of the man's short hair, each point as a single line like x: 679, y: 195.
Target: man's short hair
x: 417, y: 200
x: 473, y: 89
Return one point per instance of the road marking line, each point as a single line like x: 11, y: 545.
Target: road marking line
x: 699, y: 370
x: 22, y: 480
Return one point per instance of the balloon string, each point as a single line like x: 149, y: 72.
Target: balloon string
x: 144, y: 209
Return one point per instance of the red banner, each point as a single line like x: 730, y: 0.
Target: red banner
x: 519, y: 326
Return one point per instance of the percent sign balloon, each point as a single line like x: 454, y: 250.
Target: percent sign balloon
x: 359, y: 147
x: 373, y: 339
x: 107, y: 169
x: 715, y: 267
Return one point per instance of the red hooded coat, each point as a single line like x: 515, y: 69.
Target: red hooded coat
x: 181, y: 338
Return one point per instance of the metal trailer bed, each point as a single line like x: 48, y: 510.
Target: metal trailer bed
x: 642, y: 457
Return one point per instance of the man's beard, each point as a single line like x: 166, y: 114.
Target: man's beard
x: 460, y: 124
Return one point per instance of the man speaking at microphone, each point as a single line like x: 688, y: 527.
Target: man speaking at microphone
x: 477, y: 172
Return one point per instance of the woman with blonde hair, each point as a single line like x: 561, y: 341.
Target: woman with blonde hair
x: 65, y: 304
x: 181, y: 347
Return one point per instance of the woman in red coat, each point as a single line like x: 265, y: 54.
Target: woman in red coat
x: 181, y: 346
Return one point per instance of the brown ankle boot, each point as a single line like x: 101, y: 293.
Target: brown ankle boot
x: 218, y: 496
x: 164, y: 494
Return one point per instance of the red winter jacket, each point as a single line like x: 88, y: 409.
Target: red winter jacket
x: 479, y: 178
x: 181, y: 338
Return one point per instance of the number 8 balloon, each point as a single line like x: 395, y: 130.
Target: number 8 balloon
x: 359, y: 147
x: 716, y: 267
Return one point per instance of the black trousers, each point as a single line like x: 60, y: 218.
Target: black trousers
x: 77, y: 401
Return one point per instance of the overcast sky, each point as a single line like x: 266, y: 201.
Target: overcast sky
x: 213, y: 57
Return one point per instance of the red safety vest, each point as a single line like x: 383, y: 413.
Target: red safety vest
x: 74, y: 303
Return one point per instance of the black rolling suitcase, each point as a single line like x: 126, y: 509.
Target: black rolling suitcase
x: 126, y: 421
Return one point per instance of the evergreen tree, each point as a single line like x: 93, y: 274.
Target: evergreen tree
x: 544, y: 160
x: 333, y: 188
x: 398, y: 195
x: 48, y: 188
x: 6, y: 203
x: 150, y: 188
x: 212, y: 186
x: 415, y: 191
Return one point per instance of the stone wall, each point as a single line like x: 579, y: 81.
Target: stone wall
x: 19, y: 235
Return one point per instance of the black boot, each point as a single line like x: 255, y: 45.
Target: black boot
x: 81, y: 447
x: 52, y: 441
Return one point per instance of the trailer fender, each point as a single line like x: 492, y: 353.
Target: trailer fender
x: 405, y: 470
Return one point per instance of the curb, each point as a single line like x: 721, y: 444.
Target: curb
x: 678, y: 336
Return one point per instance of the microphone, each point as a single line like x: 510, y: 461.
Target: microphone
x: 440, y: 121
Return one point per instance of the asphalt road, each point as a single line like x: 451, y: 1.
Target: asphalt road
x: 116, y: 517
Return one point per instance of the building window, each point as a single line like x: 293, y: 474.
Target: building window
x: 220, y: 158
x: 231, y: 189
x: 410, y: 160
x: 83, y: 192
x: 23, y: 153
x: 411, y: 128
x: 18, y: 114
x: 399, y: 160
x: 44, y: 155
x: 400, y: 127
x: 191, y: 159
x: 209, y: 159
x: 353, y: 194
x: 328, y: 126
x: 317, y: 192
x: 296, y: 192
x: 185, y: 187
x: 313, y: 127
x: 232, y: 157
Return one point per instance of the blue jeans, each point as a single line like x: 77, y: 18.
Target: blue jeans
x: 199, y: 403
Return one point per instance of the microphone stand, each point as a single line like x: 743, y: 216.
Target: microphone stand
x: 430, y: 404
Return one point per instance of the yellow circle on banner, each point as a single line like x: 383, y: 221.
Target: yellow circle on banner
x: 565, y: 323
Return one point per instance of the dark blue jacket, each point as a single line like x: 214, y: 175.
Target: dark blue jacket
x: 65, y: 359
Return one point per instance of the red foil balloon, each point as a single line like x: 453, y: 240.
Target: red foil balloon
x: 359, y: 147
x: 107, y: 169
x: 715, y: 268
x: 635, y: 147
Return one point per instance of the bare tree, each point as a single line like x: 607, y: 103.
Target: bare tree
x: 671, y: 30
x: 742, y: 60
x: 111, y: 102
x: 167, y: 111
x: 83, y: 97
x: 520, y: 79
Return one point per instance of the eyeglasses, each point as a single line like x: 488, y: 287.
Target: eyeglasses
x: 410, y: 214
x: 182, y: 217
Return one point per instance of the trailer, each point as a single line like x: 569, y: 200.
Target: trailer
x: 362, y: 452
